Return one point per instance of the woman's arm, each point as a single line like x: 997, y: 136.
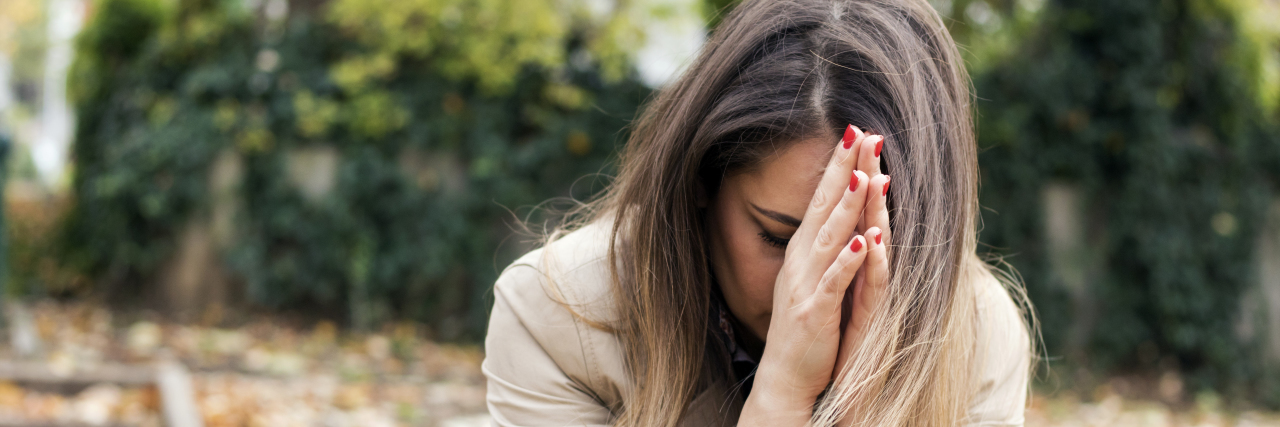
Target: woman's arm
x: 821, y: 262
x: 526, y: 385
x: 1003, y: 358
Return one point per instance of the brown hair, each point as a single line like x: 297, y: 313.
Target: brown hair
x: 776, y: 72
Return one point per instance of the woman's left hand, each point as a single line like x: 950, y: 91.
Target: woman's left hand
x: 869, y: 286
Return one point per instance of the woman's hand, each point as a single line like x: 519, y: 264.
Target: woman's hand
x: 869, y: 287
x: 821, y: 262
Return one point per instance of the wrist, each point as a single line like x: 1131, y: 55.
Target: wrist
x: 782, y: 384
x: 773, y: 402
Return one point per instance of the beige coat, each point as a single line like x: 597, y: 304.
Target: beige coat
x: 545, y: 367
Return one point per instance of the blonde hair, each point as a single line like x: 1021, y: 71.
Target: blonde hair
x: 776, y: 72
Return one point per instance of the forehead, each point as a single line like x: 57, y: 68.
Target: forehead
x: 785, y: 181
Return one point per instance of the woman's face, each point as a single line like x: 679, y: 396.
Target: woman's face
x: 750, y: 219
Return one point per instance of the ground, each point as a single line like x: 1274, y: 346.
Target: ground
x: 280, y: 373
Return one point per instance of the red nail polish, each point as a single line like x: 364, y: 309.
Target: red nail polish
x: 879, y: 145
x: 849, y: 136
x: 853, y: 183
x: 878, y: 237
x: 886, y: 186
x: 856, y: 245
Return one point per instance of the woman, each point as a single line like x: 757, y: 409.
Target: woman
x: 750, y: 263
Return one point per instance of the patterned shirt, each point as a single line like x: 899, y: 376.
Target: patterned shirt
x: 742, y: 364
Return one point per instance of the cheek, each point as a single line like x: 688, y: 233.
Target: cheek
x: 758, y: 275
x: 755, y: 265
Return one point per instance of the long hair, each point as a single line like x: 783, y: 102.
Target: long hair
x: 773, y: 73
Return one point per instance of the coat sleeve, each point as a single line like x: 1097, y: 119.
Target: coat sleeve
x: 529, y: 338
x: 1004, y: 361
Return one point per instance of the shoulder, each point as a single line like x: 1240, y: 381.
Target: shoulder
x: 1002, y: 355
x: 570, y: 272
x: 1000, y: 320
x: 560, y: 295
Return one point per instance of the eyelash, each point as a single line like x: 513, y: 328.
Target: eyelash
x: 774, y: 241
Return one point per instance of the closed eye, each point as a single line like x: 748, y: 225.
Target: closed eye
x: 774, y: 241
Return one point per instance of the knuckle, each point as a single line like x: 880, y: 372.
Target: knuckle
x: 844, y: 262
x: 819, y: 199
x: 825, y: 238
x: 849, y: 202
x: 804, y: 315
x: 845, y: 259
x: 825, y: 283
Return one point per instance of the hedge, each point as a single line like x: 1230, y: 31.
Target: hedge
x: 442, y: 121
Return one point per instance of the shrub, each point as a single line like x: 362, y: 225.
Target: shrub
x: 357, y: 157
x: 1154, y: 112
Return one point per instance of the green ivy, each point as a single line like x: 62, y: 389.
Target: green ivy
x: 444, y: 115
x: 1148, y: 108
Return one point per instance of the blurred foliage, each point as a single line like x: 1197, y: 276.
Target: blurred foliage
x: 23, y: 44
x: 6, y: 147
x: 370, y: 150
x: 714, y: 10
x: 1160, y: 113
x: 30, y: 256
x: 22, y: 36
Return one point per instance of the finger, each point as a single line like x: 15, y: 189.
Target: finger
x: 871, y: 289
x: 832, y: 186
x: 869, y: 154
x: 836, y: 280
x: 876, y: 212
x: 835, y: 232
x: 850, y: 336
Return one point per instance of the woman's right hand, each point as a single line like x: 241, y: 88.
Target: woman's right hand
x: 820, y: 263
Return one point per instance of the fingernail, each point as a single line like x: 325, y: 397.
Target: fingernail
x: 853, y: 182
x: 886, y: 186
x: 849, y: 136
x: 879, y: 145
x: 878, y: 237
x: 856, y: 245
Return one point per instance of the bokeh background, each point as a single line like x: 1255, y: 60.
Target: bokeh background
x: 297, y: 208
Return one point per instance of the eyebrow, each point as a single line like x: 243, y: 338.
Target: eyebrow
x: 777, y: 216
